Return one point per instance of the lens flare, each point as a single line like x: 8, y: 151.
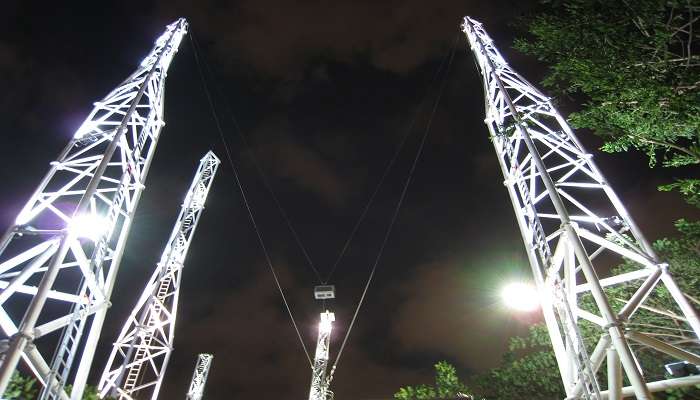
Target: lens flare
x: 520, y: 296
x: 88, y: 226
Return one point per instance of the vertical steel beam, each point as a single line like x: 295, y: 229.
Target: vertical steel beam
x: 614, y: 375
x: 139, y: 357
x: 558, y: 193
x: 199, y: 377
x: 86, y: 203
x: 319, y: 379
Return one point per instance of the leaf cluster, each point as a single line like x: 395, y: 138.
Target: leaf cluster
x: 529, y: 369
x: 635, y: 65
x: 447, y: 386
x: 23, y: 387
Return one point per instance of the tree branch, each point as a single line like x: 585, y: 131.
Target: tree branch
x: 669, y: 145
x: 691, y: 298
x: 690, y: 34
x: 673, y: 60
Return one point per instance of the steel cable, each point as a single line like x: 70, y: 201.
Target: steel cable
x: 263, y: 176
x: 387, y: 169
x: 399, y: 203
x: 245, y: 199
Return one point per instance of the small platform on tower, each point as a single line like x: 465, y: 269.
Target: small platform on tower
x: 324, y: 292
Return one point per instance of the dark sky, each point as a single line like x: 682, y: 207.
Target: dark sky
x: 323, y: 91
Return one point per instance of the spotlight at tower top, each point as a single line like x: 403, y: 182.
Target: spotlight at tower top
x: 326, y: 323
x: 520, y: 296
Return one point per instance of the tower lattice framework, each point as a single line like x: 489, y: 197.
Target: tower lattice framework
x: 199, y: 377
x: 63, y: 251
x: 140, y: 355
x: 319, y: 379
x: 575, y: 228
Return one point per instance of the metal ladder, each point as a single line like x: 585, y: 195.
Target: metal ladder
x: 132, y: 377
x: 63, y: 358
x: 70, y: 340
x: 583, y: 364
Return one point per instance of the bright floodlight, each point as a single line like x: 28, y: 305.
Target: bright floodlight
x: 520, y: 296
x: 326, y: 323
x: 87, y: 126
x: 24, y: 216
x: 88, y: 226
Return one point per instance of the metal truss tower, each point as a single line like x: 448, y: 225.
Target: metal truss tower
x: 140, y: 355
x: 199, y: 377
x: 319, y: 381
x: 63, y: 251
x: 575, y: 227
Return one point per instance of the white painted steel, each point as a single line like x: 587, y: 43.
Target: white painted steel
x: 562, y: 202
x: 199, y: 377
x: 659, y: 386
x: 54, y: 275
x: 140, y: 355
x: 319, y: 379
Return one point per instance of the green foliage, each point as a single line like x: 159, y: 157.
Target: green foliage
x: 447, y: 382
x: 21, y: 388
x: 91, y: 394
x: 529, y: 369
x: 683, y: 256
x: 416, y: 392
x: 689, y: 188
x: 636, y: 65
x: 447, y: 386
x: 26, y: 388
x: 687, y: 393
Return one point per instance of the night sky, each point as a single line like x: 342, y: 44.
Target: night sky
x: 323, y: 92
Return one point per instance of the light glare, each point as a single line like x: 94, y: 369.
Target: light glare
x: 88, y: 226
x: 23, y: 217
x: 85, y: 128
x: 520, y: 296
x: 326, y: 323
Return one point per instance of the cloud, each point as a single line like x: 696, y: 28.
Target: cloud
x: 279, y: 38
x: 379, y: 379
x: 253, y: 342
x: 299, y: 163
x: 9, y: 59
x: 31, y: 91
x: 454, y: 311
x: 256, y: 349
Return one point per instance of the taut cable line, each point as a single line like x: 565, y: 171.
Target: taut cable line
x: 268, y: 260
x: 275, y: 198
x: 387, y: 169
x: 261, y: 173
x: 402, y: 197
x: 443, y: 69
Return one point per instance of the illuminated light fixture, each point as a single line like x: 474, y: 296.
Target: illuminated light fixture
x: 24, y: 216
x: 326, y: 323
x: 322, y: 292
x: 85, y: 128
x: 520, y: 296
x: 682, y: 369
x: 88, y: 226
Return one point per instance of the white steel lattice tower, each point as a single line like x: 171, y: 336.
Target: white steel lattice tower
x: 575, y: 227
x: 140, y: 355
x: 64, y: 249
x: 199, y: 377
x: 319, y: 380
